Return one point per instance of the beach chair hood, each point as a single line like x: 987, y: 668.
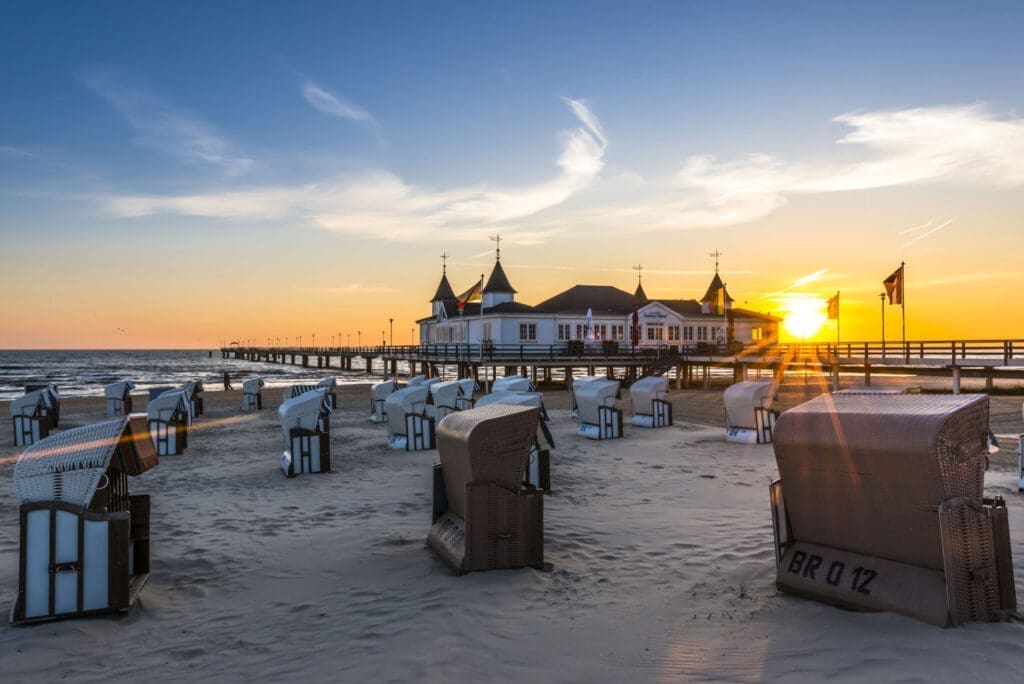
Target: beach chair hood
x: 645, y: 390
x: 118, y: 389
x: 252, y: 385
x: 742, y: 398
x: 304, y: 411
x: 591, y: 395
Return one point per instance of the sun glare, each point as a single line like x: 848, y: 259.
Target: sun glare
x: 804, y: 317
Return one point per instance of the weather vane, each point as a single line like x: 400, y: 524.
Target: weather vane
x: 444, y: 263
x: 497, y: 238
x: 716, y: 254
x: 639, y: 268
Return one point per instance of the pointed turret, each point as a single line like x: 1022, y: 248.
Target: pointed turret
x: 716, y: 300
x: 498, y: 290
x: 444, y: 297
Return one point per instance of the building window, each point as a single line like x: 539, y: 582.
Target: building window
x: 600, y: 332
x: 688, y: 333
x: 581, y: 331
x: 757, y: 334
x: 702, y: 334
x: 673, y: 333
x: 487, y: 330
x: 618, y: 332
x: 564, y: 331
x: 655, y: 332
x: 528, y: 332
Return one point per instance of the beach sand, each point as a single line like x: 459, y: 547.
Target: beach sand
x: 660, y: 545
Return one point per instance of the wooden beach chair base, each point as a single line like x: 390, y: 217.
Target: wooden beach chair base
x: 609, y: 425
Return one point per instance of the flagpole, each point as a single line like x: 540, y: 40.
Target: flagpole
x: 838, y: 317
x: 482, y: 319
x: 903, y: 307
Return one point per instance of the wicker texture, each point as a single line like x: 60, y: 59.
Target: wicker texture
x: 304, y: 411
x: 30, y: 404
x: 740, y: 400
x: 972, y: 586
x: 168, y: 406
x: 69, y: 465
x: 408, y: 400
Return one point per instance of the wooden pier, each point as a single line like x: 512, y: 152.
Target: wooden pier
x: 550, y: 365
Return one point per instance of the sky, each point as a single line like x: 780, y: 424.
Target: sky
x: 179, y: 175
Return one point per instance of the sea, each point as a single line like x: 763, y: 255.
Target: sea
x: 80, y: 373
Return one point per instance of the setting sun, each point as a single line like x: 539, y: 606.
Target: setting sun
x: 804, y: 316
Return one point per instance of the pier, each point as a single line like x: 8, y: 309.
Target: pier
x: 551, y: 365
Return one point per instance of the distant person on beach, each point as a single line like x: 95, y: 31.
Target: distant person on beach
x: 227, y: 381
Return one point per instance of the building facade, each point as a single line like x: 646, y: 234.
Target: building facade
x: 593, y: 315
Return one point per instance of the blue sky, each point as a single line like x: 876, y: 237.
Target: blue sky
x: 336, y: 125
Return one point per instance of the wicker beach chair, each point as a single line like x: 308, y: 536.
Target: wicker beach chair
x: 598, y: 418
x: 307, y: 444
x: 574, y: 387
x: 168, y: 418
x: 84, y: 537
x: 513, y: 383
x: 194, y: 394
x: 538, y: 470
x: 28, y: 413
x: 119, y: 398
x: 252, y: 396
x: 378, y: 394
x: 484, y: 518
x: 749, y: 417
x: 330, y: 384
x: 448, y: 397
x: 409, y: 426
x: 650, y: 408
x: 884, y: 509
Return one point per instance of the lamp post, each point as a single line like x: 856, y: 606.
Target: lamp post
x: 359, y: 338
x: 391, y: 324
x: 881, y: 297
x: 314, y: 340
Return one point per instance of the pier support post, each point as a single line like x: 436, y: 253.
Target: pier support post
x: 988, y: 383
x: 867, y: 374
x: 956, y: 379
x: 835, y: 377
x: 707, y: 376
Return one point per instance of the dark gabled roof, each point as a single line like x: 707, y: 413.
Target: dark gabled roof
x: 601, y: 299
x: 509, y: 307
x: 716, y: 284
x: 640, y: 295
x: 444, y: 291
x: 498, y: 282
x: 754, y: 314
x: 686, y: 307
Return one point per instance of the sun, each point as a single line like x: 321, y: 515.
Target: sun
x: 804, y: 316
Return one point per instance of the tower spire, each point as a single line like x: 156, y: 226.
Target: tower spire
x: 444, y: 263
x: 639, y: 268
x: 716, y: 254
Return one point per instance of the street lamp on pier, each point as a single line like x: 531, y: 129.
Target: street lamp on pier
x: 391, y: 323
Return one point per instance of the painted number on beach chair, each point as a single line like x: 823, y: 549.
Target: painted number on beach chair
x: 808, y: 565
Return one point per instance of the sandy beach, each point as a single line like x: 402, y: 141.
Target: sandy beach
x: 659, y: 545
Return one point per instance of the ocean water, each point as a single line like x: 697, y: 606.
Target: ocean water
x: 85, y: 373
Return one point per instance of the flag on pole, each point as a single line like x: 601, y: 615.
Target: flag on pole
x: 442, y: 313
x: 473, y: 294
x: 894, y: 286
x: 833, y: 307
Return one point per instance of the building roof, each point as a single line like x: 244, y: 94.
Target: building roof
x: 685, y: 307
x: 444, y: 291
x: 498, y: 282
x: 640, y: 295
x: 601, y: 299
x: 716, y: 284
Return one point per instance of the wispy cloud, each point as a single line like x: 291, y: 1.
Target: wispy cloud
x: 333, y: 105
x: 383, y: 206
x: 354, y: 288
x: 161, y: 126
x: 962, y: 278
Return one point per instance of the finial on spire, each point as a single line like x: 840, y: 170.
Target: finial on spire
x: 639, y: 268
x: 444, y: 263
x: 497, y: 238
x: 716, y: 254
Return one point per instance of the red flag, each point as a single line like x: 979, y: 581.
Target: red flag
x: 833, y: 307
x: 894, y: 286
x: 473, y: 294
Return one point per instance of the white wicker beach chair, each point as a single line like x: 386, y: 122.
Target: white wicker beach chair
x: 513, y: 383
x: 378, y: 394
x: 330, y: 383
x: 749, y: 417
x: 168, y: 418
x: 252, y: 397
x: 576, y: 384
x: 448, y: 397
x: 119, y: 398
x: 409, y: 427
x: 598, y: 417
x: 84, y: 537
x: 307, y: 444
x: 650, y: 408
x: 28, y: 412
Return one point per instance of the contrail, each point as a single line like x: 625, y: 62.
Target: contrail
x: 924, y: 235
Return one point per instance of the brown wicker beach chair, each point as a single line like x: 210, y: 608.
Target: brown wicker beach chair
x: 484, y: 516
x: 84, y: 537
x: 883, y: 507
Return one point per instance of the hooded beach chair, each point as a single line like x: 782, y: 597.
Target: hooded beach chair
x: 31, y: 422
x: 749, y: 417
x: 330, y: 384
x: 194, y: 394
x: 484, y: 518
x: 448, y: 397
x: 598, y: 418
x: 84, y: 537
x: 513, y: 383
x: 51, y: 403
x: 409, y: 427
x: 378, y: 394
x: 650, y: 409
x: 168, y: 419
x: 416, y: 380
x: 538, y: 470
x: 880, y: 507
x: 576, y: 384
x: 252, y: 396
x: 119, y: 398
x: 307, y: 444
